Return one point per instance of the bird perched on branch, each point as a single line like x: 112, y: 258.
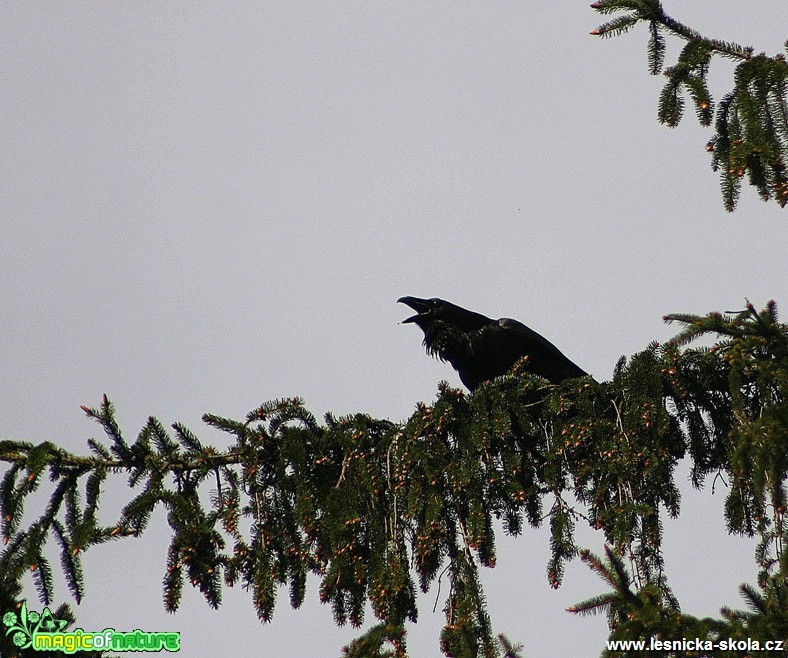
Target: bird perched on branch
x: 480, y: 348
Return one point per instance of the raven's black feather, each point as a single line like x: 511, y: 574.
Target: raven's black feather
x: 480, y: 348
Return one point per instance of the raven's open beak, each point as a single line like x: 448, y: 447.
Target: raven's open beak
x: 417, y: 304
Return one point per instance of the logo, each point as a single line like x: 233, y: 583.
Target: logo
x: 44, y: 632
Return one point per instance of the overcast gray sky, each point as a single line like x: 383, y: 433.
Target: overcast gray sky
x: 209, y: 205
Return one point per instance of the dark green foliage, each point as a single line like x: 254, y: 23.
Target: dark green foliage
x: 731, y: 400
x: 751, y: 123
x: 656, y: 49
x: 767, y: 616
x: 752, y: 423
x: 374, y: 509
x: 647, y: 614
x: 510, y: 650
x: 643, y: 614
x: 371, y: 644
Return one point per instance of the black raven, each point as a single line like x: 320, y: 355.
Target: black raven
x: 480, y: 348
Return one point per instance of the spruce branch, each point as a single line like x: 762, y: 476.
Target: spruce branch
x: 374, y: 509
x: 751, y: 138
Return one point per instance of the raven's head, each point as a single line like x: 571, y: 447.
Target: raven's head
x: 430, y: 311
x: 446, y: 326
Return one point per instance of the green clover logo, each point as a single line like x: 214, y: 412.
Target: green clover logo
x: 23, y: 628
x: 22, y: 635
